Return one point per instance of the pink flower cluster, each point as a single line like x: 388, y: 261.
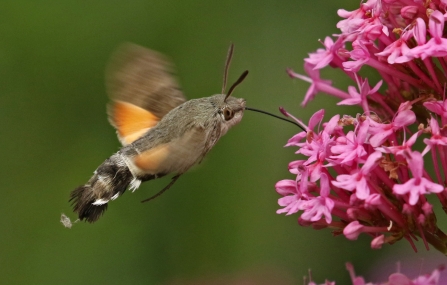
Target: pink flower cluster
x: 371, y: 173
x: 393, y: 279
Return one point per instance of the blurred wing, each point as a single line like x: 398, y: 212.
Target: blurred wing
x: 143, y: 90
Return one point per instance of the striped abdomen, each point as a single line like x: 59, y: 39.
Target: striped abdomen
x: 108, y: 182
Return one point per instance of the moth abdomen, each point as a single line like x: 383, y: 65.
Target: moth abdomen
x: 83, y: 205
x: 109, y: 181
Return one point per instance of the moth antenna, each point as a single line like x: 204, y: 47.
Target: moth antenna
x: 241, y: 78
x: 276, y: 116
x: 227, y: 66
x: 163, y: 190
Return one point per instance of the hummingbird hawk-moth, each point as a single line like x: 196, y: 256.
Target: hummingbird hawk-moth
x: 160, y: 131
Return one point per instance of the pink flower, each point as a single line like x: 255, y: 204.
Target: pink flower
x: 317, y: 207
x: 400, y: 150
x: 394, y: 279
x: 398, y: 51
x: 353, y: 230
x: 378, y: 241
x: 295, y: 192
x: 365, y: 173
x: 437, y: 138
x: 323, y: 57
x: 409, y: 12
x: 418, y: 185
x: 360, y: 98
x: 381, y: 132
x: 350, y: 149
x: 439, y: 108
x: 317, y: 84
x: 358, y: 180
x: 313, y: 122
x: 360, y: 56
x: 437, y: 45
x: 292, y: 197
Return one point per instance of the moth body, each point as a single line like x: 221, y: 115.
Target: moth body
x: 184, y: 136
x: 179, y: 140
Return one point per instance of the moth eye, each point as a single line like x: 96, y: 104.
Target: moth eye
x: 228, y: 114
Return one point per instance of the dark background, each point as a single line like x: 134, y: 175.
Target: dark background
x: 217, y: 225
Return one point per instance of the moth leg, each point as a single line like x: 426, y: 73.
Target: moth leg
x: 163, y: 190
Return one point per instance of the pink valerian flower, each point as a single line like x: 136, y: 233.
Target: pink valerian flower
x: 418, y: 185
x: 313, y: 122
x: 398, y: 50
x: 400, y: 150
x: 360, y: 98
x: 323, y: 57
x: 381, y: 132
x: 358, y: 180
x: 360, y: 55
x: 371, y: 173
x: 437, y: 45
x: 317, y: 84
x: 292, y: 197
x: 297, y: 197
x: 439, y: 108
x: 437, y: 138
x: 320, y: 206
x: 350, y: 149
x: 394, y: 279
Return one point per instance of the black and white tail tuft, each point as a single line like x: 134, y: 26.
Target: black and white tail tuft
x: 108, y: 182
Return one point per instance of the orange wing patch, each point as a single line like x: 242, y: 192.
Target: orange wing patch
x: 131, y: 121
x: 151, y: 160
x: 177, y: 156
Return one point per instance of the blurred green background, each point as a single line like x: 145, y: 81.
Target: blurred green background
x: 217, y: 225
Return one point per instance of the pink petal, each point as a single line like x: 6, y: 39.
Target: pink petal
x: 377, y: 139
x: 345, y: 181
x: 404, y: 118
x: 362, y: 131
x: 378, y: 242
x: 362, y: 189
x: 353, y: 230
x: 350, y: 101
x: 296, y: 139
x: 374, y: 90
x: 371, y: 161
x: 436, y: 24
x: 324, y: 185
x: 415, y: 192
x: 432, y: 186
x: 286, y: 187
x: 374, y: 200
x: 399, y: 279
x: 406, y: 54
x: 434, y: 126
x: 402, y: 189
x: 409, y: 12
x: 316, y: 208
x: 316, y: 119
x: 419, y: 31
x: 435, y: 107
x: 332, y: 124
x: 413, y: 138
x: 344, y: 13
x: 416, y: 164
x: 328, y: 42
x: 296, y: 165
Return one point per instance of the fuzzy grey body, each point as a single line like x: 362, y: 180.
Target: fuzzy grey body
x: 181, y: 139
x: 191, y: 130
